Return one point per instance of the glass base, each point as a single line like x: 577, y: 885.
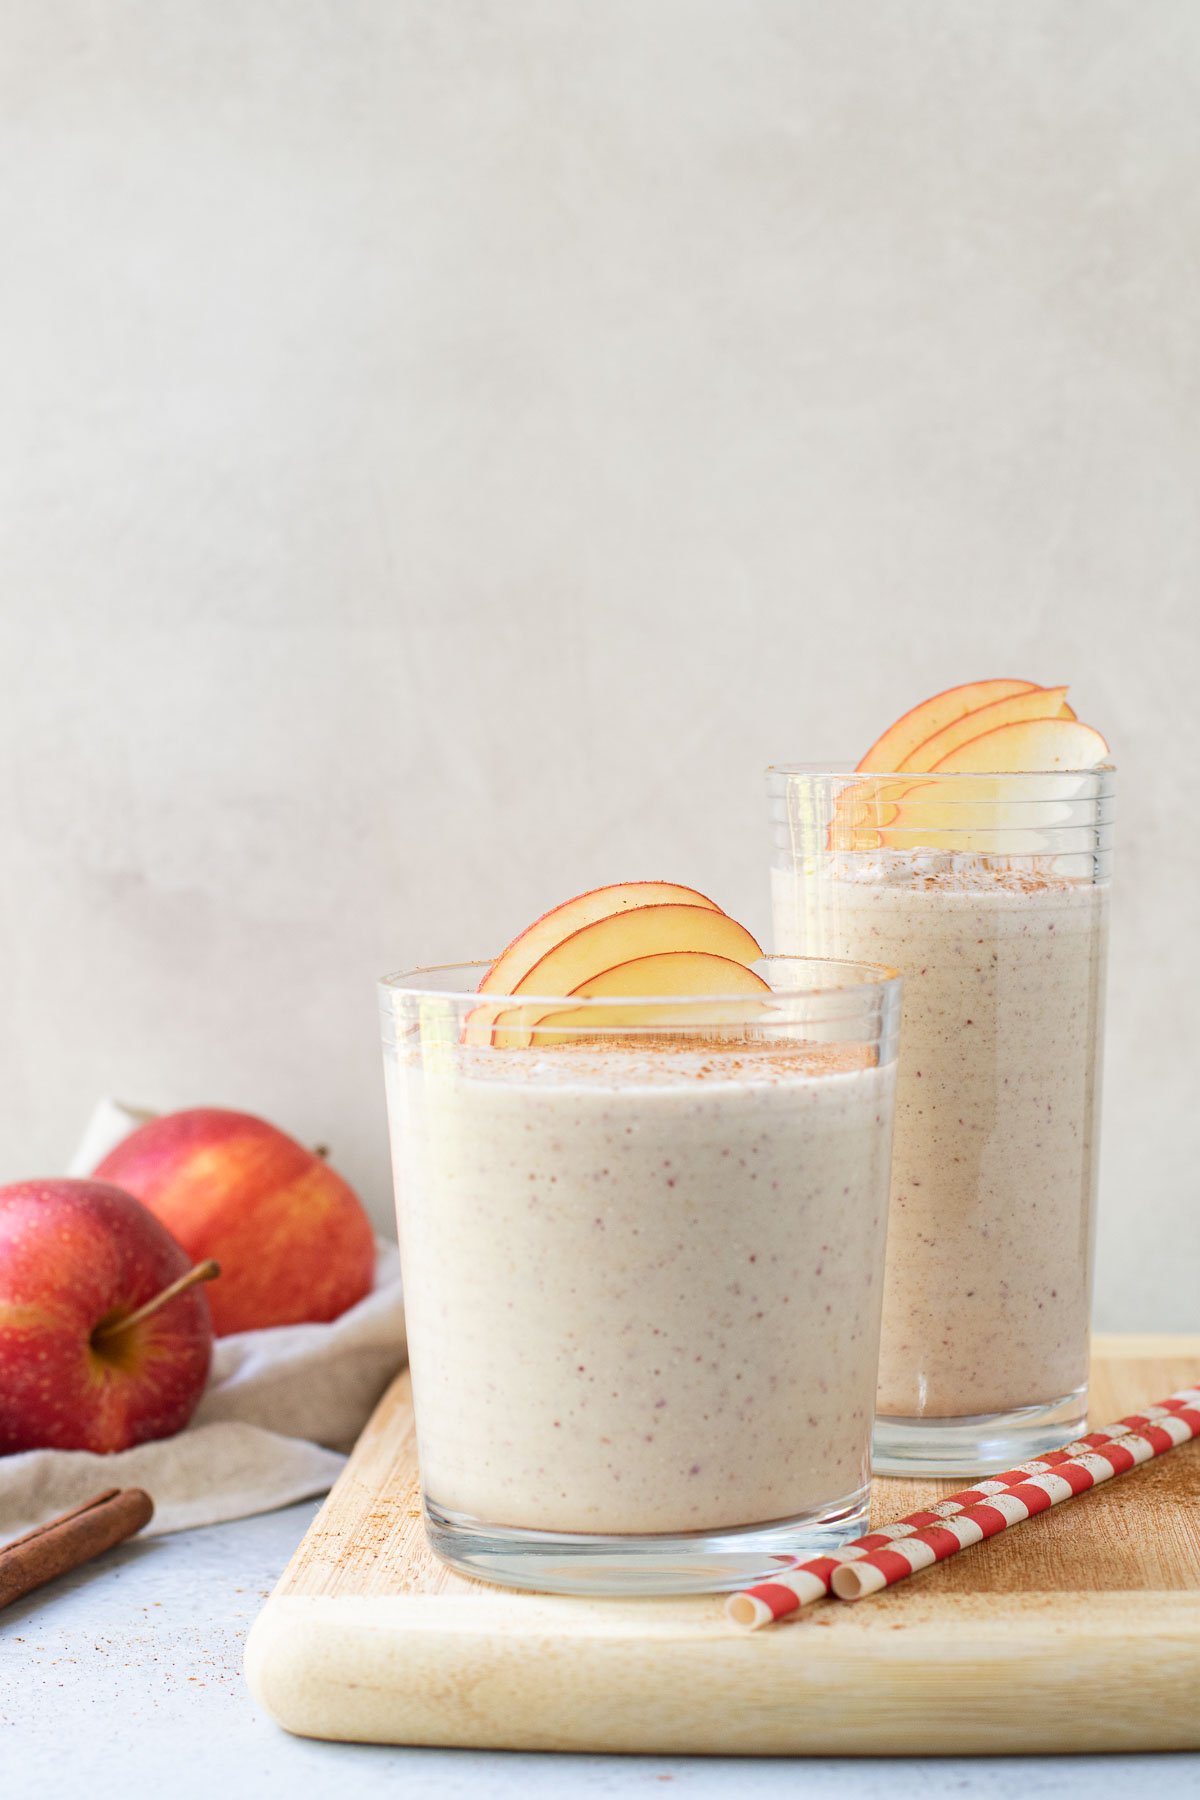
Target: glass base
x: 702, y: 1562
x: 979, y: 1444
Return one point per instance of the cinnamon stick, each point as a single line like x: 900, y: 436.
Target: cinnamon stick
x: 72, y: 1538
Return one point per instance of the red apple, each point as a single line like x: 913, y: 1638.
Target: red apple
x: 290, y: 1235
x: 104, y: 1342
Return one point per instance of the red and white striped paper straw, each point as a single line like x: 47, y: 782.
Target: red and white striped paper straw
x: 803, y: 1583
x: 934, y: 1543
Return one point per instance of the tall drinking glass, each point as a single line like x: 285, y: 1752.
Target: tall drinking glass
x: 643, y: 1259
x: 990, y: 894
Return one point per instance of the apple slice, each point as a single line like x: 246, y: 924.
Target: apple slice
x: 862, y: 813
x: 691, y: 972
x: 514, y: 963
x: 888, y: 753
x: 1012, y: 813
x: 642, y: 931
x: 621, y: 938
x: 1037, y: 703
x: 1029, y: 745
x: 574, y: 1023
x: 673, y: 972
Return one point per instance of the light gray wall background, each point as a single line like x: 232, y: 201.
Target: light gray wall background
x: 447, y: 449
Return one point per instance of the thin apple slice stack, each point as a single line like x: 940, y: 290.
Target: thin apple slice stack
x: 892, y: 749
x: 986, y: 728
x: 1037, y: 704
x: 869, y: 808
x: 632, y: 941
x: 531, y: 945
x: 527, y: 950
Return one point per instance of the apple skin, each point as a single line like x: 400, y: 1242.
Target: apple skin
x: 528, y: 949
x: 74, y: 1254
x: 292, y: 1238
x: 919, y: 723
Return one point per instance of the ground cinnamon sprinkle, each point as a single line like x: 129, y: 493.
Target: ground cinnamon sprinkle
x: 1009, y: 881
x: 943, y: 871
x: 618, y: 1059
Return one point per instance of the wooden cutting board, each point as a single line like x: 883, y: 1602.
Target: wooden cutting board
x: 1078, y: 1631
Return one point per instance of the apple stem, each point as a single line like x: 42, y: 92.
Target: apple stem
x: 203, y: 1271
x: 321, y: 1150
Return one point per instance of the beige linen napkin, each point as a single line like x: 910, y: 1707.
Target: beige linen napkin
x: 280, y: 1408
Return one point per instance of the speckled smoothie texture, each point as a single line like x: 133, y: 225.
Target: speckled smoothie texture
x: 642, y: 1289
x: 988, y: 1283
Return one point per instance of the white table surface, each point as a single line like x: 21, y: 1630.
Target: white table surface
x: 125, y: 1680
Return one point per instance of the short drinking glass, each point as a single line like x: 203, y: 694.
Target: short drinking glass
x: 643, y: 1260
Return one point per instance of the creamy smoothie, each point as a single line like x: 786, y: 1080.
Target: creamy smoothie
x: 642, y: 1284
x: 987, y: 1290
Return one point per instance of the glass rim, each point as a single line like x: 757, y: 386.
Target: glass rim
x: 831, y: 770
x: 868, y: 978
